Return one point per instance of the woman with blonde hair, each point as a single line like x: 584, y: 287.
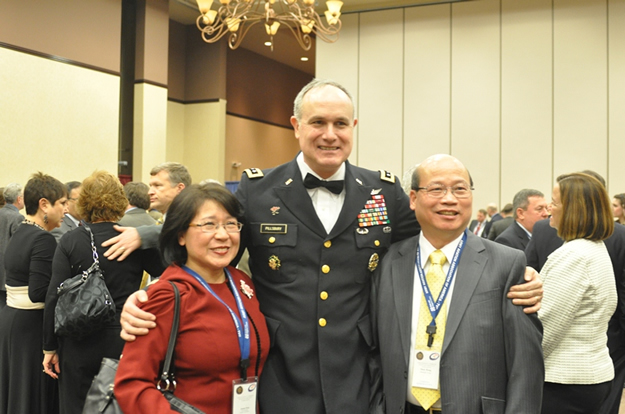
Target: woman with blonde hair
x: 76, y: 361
x: 579, y: 298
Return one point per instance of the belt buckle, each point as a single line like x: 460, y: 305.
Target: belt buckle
x: 434, y: 410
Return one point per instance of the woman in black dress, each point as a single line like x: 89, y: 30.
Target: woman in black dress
x: 75, y: 362
x: 28, y: 262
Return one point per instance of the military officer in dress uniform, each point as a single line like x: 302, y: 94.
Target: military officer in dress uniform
x: 315, y: 229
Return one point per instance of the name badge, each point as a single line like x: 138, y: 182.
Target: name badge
x: 273, y: 228
x: 426, y: 369
x: 244, y: 396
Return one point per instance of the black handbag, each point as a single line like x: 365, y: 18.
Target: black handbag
x: 84, y: 304
x: 100, y: 398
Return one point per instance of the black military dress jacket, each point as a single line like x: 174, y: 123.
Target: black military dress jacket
x: 314, y: 287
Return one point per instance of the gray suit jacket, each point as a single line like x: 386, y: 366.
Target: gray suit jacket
x: 498, y: 227
x: 514, y: 236
x: 491, y: 361
x: 137, y: 217
x: 10, y: 219
x: 66, y: 225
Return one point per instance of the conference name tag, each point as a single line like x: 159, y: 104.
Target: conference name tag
x: 426, y: 369
x: 244, y: 395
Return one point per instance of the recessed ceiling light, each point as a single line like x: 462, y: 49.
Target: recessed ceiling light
x: 267, y: 43
x: 304, y: 59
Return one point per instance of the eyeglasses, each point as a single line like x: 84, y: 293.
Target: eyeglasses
x: 459, y: 191
x: 210, y: 227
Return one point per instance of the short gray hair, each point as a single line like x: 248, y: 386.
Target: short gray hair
x: 521, y: 199
x: 177, y: 172
x: 316, y: 84
x: 12, y: 192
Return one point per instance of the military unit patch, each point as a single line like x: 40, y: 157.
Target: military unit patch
x: 387, y: 176
x: 374, y: 213
x: 254, y: 173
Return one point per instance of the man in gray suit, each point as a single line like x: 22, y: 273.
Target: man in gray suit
x: 138, y: 202
x: 481, y: 354
x: 10, y: 219
x: 72, y: 218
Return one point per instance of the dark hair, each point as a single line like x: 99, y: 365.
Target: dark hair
x: 522, y: 199
x: 70, y: 185
x: 102, y: 198
x: 41, y: 186
x: 137, y: 194
x: 507, y: 209
x: 183, y: 209
x: 586, y: 208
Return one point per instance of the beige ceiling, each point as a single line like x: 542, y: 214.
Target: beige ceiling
x: 286, y: 49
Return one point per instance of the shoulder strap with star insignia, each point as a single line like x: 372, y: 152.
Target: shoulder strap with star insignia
x: 387, y: 176
x: 254, y: 173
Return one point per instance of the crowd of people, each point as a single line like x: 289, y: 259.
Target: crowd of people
x: 361, y: 297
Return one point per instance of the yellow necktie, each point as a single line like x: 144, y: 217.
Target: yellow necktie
x: 435, y: 279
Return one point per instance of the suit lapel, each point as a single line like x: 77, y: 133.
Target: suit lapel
x: 402, y: 274
x: 356, y: 195
x: 295, y: 198
x: 469, y: 272
x: 521, y: 233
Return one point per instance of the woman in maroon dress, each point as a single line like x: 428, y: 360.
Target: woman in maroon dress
x: 199, y: 239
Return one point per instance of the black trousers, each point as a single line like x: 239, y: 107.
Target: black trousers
x: 573, y: 399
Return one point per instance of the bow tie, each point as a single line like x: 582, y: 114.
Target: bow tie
x: 311, y: 182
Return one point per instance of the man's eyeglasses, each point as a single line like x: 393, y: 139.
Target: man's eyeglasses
x: 210, y: 227
x: 438, y: 190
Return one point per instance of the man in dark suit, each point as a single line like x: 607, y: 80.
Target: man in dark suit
x: 480, y: 354
x: 498, y: 227
x: 316, y: 228
x: 477, y: 226
x: 529, y: 206
x: 493, y: 217
x: 545, y: 241
x: 72, y: 218
x: 10, y: 219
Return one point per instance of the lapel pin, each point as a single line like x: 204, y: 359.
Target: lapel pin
x: 358, y: 181
x: 274, y: 262
x: 289, y: 181
x: 376, y: 191
x: 274, y: 210
x: 373, y: 262
x: 246, y: 290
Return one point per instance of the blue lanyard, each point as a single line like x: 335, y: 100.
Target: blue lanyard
x: 244, y: 337
x: 435, y: 307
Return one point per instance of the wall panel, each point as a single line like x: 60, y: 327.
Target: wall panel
x: 150, y: 130
x: 526, y: 97
x: 56, y: 118
x: 381, y: 90
x: 475, y: 95
x: 204, y: 140
x: 175, y: 131
x: 256, y: 144
x: 580, y: 86
x: 340, y: 61
x: 427, y: 83
x: 616, y: 96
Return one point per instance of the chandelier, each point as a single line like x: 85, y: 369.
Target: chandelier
x: 235, y: 17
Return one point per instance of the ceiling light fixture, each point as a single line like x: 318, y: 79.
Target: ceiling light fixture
x: 237, y: 16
